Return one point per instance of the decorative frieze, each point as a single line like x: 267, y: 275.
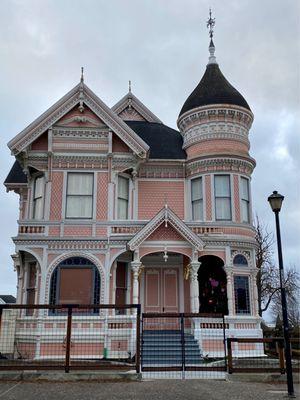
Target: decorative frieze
x: 212, y: 164
x: 162, y: 171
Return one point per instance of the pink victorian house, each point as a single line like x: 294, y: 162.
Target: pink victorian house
x: 118, y: 208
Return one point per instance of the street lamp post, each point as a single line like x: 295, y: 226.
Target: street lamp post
x: 275, y: 201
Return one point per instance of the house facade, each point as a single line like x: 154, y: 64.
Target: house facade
x: 118, y: 208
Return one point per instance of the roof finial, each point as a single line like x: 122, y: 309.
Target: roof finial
x: 82, y: 76
x: 129, y: 86
x: 210, y: 24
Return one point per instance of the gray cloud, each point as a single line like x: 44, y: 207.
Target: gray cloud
x: 162, y: 47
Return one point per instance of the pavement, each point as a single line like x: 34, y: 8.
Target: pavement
x: 135, y: 390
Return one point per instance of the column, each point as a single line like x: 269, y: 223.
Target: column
x: 255, y: 293
x: 194, y: 286
x: 229, y: 292
x: 135, y: 268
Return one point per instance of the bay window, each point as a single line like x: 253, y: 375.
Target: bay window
x: 79, y: 202
x: 38, y: 198
x: 197, y: 199
x: 245, y: 200
x: 222, y: 198
x: 123, y: 197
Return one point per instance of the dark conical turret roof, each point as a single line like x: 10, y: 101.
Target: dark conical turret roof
x: 213, y: 89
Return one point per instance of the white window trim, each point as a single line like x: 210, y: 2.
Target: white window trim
x: 130, y: 188
x: 64, y: 194
x: 250, y: 199
x: 232, y: 219
x: 32, y: 187
x: 189, y: 198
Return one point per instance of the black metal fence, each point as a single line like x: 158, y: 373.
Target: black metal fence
x: 258, y: 355
x: 69, y: 337
x: 173, y: 344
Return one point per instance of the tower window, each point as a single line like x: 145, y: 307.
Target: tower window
x: 197, y: 199
x: 245, y: 198
x: 123, y: 197
x: 222, y: 198
x: 79, y: 195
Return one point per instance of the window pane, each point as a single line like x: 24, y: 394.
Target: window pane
x: 76, y: 285
x: 245, y: 211
x: 244, y: 189
x: 197, y: 210
x: 222, y: 185
x: 223, y: 209
x: 196, y: 189
x: 79, y: 206
x: 241, y: 294
x: 123, y: 187
x: 122, y: 209
x: 38, y: 208
x: 81, y: 184
x: 39, y: 187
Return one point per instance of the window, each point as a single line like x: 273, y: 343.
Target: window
x: 76, y: 280
x: 222, y: 197
x: 79, y: 195
x: 240, y: 261
x: 197, y: 199
x: 245, y: 198
x: 38, y: 200
x: 123, y: 197
x: 241, y: 294
x: 121, y: 285
x: 31, y: 284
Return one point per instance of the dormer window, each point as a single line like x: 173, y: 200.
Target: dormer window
x: 38, y: 198
x: 197, y: 199
x: 123, y: 197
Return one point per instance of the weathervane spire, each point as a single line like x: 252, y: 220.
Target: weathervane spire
x: 210, y: 24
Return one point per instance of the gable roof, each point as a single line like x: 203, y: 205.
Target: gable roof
x: 164, y: 142
x: 78, y: 95
x: 165, y: 215
x: 130, y: 100
x: 16, y: 176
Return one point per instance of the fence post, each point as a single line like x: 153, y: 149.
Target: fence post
x: 138, y: 338
x: 68, y: 339
x: 281, y: 356
x: 182, y: 343
x: 229, y: 347
x: 224, y: 341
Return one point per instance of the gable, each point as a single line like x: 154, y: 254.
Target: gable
x: 80, y: 95
x: 118, y: 146
x: 80, y: 118
x: 41, y: 143
x: 167, y: 233
x: 170, y: 219
x: 130, y: 108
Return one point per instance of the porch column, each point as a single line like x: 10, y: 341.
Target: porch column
x: 194, y: 286
x: 135, y: 268
x: 229, y: 293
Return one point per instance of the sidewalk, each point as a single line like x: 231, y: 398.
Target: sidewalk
x: 145, y: 390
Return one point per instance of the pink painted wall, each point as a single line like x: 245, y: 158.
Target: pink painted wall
x: 153, y: 195
x: 41, y: 143
x: 56, y: 196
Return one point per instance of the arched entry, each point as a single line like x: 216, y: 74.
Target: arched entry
x: 212, y: 285
x: 76, y: 280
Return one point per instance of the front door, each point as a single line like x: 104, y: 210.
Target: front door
x: 161, y: 290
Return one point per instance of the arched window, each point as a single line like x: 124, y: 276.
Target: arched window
x: 240, y: 261
x: 75, y: 280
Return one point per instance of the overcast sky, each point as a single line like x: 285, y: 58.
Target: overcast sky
x: 161, y: 45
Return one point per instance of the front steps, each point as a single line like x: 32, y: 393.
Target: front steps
x: 164, y: 348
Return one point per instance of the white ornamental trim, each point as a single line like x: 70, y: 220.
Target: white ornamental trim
x: 165, y: 215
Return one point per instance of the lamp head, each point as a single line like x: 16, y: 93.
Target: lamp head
x: 275, y: 200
